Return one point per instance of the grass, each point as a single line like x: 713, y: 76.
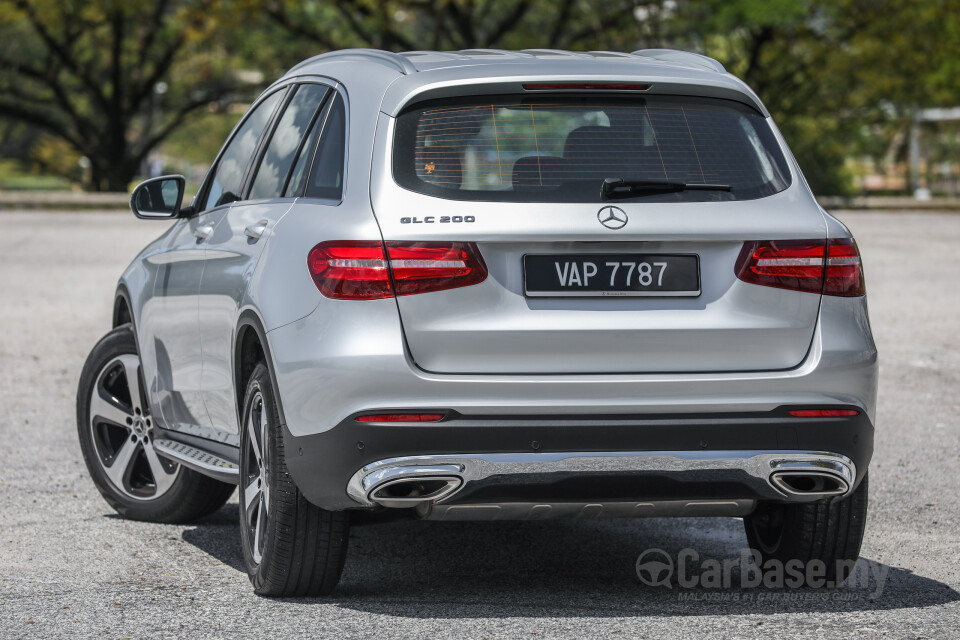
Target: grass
x: 14, y: 178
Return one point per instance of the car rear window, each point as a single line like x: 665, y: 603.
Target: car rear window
x: 560, y: 149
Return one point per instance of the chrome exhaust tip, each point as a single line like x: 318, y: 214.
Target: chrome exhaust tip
x: 410, y: 492
x: 809, y: 485
x: 808, y: 478
x: 400, y: 486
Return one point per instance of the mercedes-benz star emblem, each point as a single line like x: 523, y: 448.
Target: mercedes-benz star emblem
x: 612, y: 217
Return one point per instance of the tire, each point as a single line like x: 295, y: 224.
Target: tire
x: 116, y: 439
x: 830, y: 532
x: 290, y: 546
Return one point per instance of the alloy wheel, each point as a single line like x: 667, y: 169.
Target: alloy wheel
x: 122, y: 433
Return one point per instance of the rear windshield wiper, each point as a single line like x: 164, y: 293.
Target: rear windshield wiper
x: 619, y: 187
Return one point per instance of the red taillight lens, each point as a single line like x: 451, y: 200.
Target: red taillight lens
x: 421, y: 267
x: 798, y: 265
x: 844, y: 271
x: 785, y: 264
x: 401, y: 417
x: 358, y: 270
x: 823, y: 413
x: 350, y: 270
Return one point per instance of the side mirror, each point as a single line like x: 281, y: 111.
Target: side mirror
x: 158, y: 198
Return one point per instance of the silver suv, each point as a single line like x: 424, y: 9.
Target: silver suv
x: 489, y: 285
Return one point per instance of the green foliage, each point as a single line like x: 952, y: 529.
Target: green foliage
x: 450, y: 24
x: 13, y: 177
x: 199, y: 139
x: 829, y: 69
x: 112, y: 78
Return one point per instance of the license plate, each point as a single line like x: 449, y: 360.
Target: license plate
x: 611, y: 275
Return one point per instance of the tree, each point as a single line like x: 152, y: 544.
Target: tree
x: 835, y: 74
x: 399, y: 25
x: 93, y: 73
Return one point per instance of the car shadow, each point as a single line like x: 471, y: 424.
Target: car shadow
x: 218, y: 535
x: 416, y: 569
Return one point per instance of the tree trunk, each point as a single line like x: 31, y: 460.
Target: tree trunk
x: 120, y: 177
x: 116, y: 175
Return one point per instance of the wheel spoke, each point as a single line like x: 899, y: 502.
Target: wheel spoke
x: 258, y: 528
x: 255, y: 488
x: 161, y: 477
x: 123, y: 459
x: 116, y: 413
x: 251, y: 498
x: 256, y: 445
x: 131, y: 367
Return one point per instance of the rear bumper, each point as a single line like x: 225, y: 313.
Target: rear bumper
x: 618, y: 459
x: 350, y: 360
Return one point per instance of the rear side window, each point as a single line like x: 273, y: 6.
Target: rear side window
x: 299, y: 173
x: 326, y: 175
x: 228, y: 176
x: 285, y: 141
x: 561, y: 149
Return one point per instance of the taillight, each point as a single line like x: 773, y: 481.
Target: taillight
x: 350, y: 270
x: 421, y: 267
x: 844, y: 271
x: 799, y: 265
x: 785, y: 264
x: 359, y: 270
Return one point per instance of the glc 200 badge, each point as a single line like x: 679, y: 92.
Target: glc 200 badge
x: 440, y: 219
x: 612, y: 217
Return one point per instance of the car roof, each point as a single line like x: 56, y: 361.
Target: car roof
x: 413, y: 76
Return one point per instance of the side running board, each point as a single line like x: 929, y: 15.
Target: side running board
x: 198, y: 460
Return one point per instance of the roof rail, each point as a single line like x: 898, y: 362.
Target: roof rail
x: 681, y: 57
x: 386, y: 58
x: 448, y: 55
x: 496, y: 52
x: 610, y: 54
x: 557, y: 52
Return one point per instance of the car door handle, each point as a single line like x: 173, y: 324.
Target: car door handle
x: 202, y: 233
x: 256, y: 230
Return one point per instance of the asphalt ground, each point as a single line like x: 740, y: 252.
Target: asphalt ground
x: 69, y: 567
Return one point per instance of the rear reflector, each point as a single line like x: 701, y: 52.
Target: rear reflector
x: 823, y: 413
x: 359, y: 270
x: 401, y: 417
x: 585, y: 86
x: 798, y: 265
